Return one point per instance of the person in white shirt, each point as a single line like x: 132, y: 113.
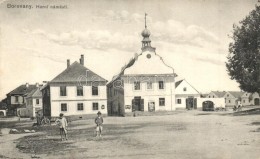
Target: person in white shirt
x: 63, y: 124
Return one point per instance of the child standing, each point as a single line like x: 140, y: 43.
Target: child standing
x: 62, y: 123
x: 99, y: 122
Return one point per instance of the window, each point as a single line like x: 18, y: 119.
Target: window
x: 212, y: 96
x: 94, y: 90
x: 64, y: 107
x: 63, y: 91
x: 228, y: 95
x: 16, y: 99
x: 161, y: 101
x: 161, y: 85
x: 79, y: 90
x: 137, y: 85
x: 37, y: 101
x: 229, y: 101
x: 95, y: 106
x: 149, y: 85
x: 179, y: 101
x: 184, y: 89
x: 80, y: 106
x: 244, y: 101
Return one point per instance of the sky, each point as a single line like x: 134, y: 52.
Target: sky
x: 192, y: 36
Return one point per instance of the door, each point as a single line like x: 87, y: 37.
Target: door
x: 189, y: 103
x: 256, y: 100
x: 151, y: 106
x: 195, y: 103
x: 137, y: 104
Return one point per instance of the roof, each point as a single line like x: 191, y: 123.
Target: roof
x: 35, y: 93
x: 77, y: 73
x: 131, y: 63
x: 236, y: 94
x: 22, y: 89
x: 219, y: 94
x: 178, y: 83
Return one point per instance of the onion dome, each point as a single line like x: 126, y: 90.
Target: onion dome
x: 146, y: 33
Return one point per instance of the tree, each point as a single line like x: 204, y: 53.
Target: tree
x: 244, y: 53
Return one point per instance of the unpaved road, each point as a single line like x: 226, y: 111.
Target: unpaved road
x: 188, y: 135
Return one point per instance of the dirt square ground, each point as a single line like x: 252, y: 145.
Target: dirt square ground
x: 184, y: 135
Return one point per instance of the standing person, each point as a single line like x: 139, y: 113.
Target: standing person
x: 38, y: 118
x: 62, y: 123
x: 99, y: 122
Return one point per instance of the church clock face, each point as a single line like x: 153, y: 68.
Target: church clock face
x: 148, y: 56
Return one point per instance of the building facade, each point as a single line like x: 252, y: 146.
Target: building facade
x: 33, y: 102
x: 16, y: 98
x: 186, y: 95
x: 75, y: 91
x: 146, y: 83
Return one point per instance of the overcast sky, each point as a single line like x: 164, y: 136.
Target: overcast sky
x: 191, y: 36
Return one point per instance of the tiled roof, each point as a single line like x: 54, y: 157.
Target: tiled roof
x: 236, y: 94
x: 178, y: 83
x: 35, y: 93
x: 219, y: 94
x: 22, y: 90
x: 77, y: 73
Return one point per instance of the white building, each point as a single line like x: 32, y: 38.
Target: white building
x: 33, y: 102
x: 146, y: 83
x: 186, y: 95
x: 75, y: 91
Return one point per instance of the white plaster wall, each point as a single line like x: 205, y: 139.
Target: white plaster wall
x: 143, y: 65
x: 72, y: 93
x: 72, y: 107
x: 151, y: 95
x: 189, y: 88
x: 183, y: 102
x: 20, y: 100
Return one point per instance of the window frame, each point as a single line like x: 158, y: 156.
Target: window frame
x: 93, y: 91
x: 135, y: 85
x: 161, y: 83
x: 61, y: 107
x: 178, y: 101
x: 79, y: 105
x: 63, y: 94
x: 37, y: 101
x: 80, y: 92
x: 149, y: 83
x: 95, y: 104
x: 161, y: 100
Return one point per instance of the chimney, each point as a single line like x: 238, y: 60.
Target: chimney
x: 27, y: 85
x: 68, y: 63
x: 37, y: 84
x: 81, y: 60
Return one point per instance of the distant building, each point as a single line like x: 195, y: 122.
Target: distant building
x: 146, y: 83
x: 75, y: 91
x: 16, y: 98
x: 33, y: 102
x: 250, y: 99
x: 232, y: 98
x: 186, y: 95
x: 216, y: 94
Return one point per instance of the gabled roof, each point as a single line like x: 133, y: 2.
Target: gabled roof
x: 77, y: 73
x: 236, y: 94
x: 22, y: 90
x: 219, y: 94
x: 178, y: 83
x: 35, y: 93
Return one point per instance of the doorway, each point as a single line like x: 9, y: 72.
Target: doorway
x: 137, y: 104
x: 256, y: 101
x: 151, y: 106
x: 191, y: 103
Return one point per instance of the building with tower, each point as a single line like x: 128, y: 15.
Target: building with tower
x: 145, y: 83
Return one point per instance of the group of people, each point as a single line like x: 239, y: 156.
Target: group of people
x: 63, y: 125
